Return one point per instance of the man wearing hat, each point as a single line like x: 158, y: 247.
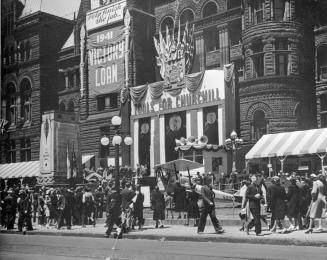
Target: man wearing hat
x: 24, y: 210
x: 127, y: 194
x: 208, y: 197
x: 9, y: 209
x: 113, y: 209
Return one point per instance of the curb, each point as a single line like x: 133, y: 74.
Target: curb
x: 198, y: 238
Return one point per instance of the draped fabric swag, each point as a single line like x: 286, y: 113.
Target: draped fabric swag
x: 193, y: 83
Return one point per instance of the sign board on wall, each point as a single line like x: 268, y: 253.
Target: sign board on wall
x: 106, y: 51
x: 105, y: 15
x: 46, y: 145
x: 212, y: 89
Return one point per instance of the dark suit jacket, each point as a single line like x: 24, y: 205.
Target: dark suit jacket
x: 251, y: 191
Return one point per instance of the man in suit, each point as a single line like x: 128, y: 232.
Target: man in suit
x: 254, y: 195
x: 127, y: 194
x: 208, y: 197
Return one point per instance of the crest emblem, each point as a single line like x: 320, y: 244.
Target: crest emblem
x: 175, y: 56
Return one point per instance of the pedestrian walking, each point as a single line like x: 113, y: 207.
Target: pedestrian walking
x: 127, y: 194
x: 277, y: 203
x: 254, y: 196
x: 60, y: 208
x: 192, y: 206
x: 208, y: 197
x: 138, y: 207
x: 88, y: 208
x: 9, y: 209
x: 158, y: 206
x: 293, y: 204
x: 113, y: 211
x: 69, y: 205
x: 318, y: 203
x: 179, y: 196
x: 24, y: 211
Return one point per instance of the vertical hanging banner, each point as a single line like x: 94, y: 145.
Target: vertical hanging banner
x: 210, y: 124
x: 175, y: 128
x: 144, y: 141
x: 106, y: 50
x: 105, y: 15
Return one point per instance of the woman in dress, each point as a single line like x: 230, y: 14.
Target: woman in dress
x: 158, y: 206
x: 318, y: 202
x: 276, y: 202
x: 293, y: 209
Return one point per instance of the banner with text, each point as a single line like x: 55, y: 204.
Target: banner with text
x: 105, y: 15
x: 106, y: 51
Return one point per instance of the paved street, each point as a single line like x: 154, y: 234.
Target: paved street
x: 55, y: 247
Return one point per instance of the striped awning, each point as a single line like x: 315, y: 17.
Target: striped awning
x: 19, y: 170
x: 86, y: 157
x: 290, y: 143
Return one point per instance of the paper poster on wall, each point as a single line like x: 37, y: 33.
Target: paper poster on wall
x: 145, y: 190
x: 175, y: 128
x: 144, y: 140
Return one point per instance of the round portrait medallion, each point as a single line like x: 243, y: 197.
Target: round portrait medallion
x: 175, y: 123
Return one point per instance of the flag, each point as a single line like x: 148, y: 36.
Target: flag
x: 74, y: 165
x: 68, y: 165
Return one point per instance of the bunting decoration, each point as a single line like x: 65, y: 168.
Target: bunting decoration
x: 229, y: 76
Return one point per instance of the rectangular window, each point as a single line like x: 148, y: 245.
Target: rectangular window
x: 211, y: 39
x: 281, y: 64
x: 113, y: 100
x: 281, y: 47
x: 25, y: 152
x: 323, y: 120
x: 323, y: 103
x: 11, y: 153
x: 279, y: 7
x: 258, y: 11
x: 107, y: 102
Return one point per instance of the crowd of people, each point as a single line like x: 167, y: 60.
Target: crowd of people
x: 302, y: 201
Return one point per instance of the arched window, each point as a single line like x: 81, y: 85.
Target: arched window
x: 11, y: 104
x: 259, y: 125
x: 209, y: 9
x: 187, y: 15
x: 62, y: 106
x: 71, y: 106
x: 167, y: 22
x: 26, y: 100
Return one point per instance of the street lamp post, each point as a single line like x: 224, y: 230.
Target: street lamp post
x: 116, y: 141
x: 232, y: 144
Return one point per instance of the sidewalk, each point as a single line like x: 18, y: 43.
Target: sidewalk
x: 185, y: 233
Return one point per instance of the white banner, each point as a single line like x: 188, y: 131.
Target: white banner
x: 105, y: 15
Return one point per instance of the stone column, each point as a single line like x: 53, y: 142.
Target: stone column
x: 224, y: 44
x: 248, y: 64
x: 269, y: 57
x: 293, y: 57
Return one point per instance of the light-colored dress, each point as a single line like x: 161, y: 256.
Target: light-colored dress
x: 317, y: 205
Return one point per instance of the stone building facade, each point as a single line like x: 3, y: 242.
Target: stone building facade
x: 30, y: 38
x: 277, y: 94
x: 321, y: 62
